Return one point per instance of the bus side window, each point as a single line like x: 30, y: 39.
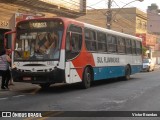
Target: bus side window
x: 68, y: 42
x: 8, y: 41
x: 73, y: 42
x: 138, y: 48
x: 112, y: 43
x: 101, y: 37
x: 133, y: 47
x: 90, y: 40
x: 76, y: 41
x: 121, y: 45
x: 128, y: 46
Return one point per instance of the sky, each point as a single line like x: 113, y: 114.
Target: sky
x: 101, y: 4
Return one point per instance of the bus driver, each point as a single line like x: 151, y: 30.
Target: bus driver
x: 48, y: 42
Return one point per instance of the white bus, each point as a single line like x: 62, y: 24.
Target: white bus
x: 84, y: 52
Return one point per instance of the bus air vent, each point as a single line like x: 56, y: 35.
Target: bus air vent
x: 34, y: 65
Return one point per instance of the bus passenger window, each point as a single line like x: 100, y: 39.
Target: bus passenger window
x: 138, y: 48
x: 112, y: 43
x: 121, y: 45
x: 101, y: 37
x: 90, y: 40
x: 128, y: 46
x: 133, y: 47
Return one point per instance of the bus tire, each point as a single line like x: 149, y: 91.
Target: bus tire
x: 45, y: 85
x: 87, y: 78
x: 127, y: 73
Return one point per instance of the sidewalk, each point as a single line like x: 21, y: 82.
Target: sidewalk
x: 157, y: 66
x: 18, y: 87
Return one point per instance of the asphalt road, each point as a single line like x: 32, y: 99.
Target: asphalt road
x: 141, y: 93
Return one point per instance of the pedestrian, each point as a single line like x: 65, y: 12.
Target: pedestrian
x: 4, y: 69
x: 8, y: 52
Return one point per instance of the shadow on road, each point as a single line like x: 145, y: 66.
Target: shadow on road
x: 27, y: 88
x: 63, y: 88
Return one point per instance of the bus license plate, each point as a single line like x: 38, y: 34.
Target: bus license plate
x: 26, y: 78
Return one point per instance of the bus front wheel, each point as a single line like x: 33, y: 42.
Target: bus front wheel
x: 45, y: 85
x: 87, y: 77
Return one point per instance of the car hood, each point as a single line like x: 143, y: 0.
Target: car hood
x: 145, y: 63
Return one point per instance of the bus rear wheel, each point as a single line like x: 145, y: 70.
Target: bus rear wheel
x: 127, y: 73
x: 87, y: 78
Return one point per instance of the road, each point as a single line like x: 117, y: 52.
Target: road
x: 141, y: 93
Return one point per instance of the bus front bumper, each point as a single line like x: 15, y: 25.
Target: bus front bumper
x: 55, y: 76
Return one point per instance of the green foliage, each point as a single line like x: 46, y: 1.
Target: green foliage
x: 144, y: 49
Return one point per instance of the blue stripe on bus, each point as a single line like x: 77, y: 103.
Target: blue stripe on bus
x: 136, y: 69
x: 113, y: 71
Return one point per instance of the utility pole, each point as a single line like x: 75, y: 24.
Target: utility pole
x: 109, y: 12
x: 109, y: 15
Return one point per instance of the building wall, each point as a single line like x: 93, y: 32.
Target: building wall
x: 141, y: 22
x: 123, y: 20
x: 148, y: 40
x: 75, y: 5
x: 153, y: 19
x: 95, y: 17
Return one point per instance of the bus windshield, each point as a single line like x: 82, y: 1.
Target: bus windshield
x: 38, y: 40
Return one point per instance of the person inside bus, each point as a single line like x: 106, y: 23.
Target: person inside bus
x: 4, y: 69
x: 52, y: 50
x: 46, y: 42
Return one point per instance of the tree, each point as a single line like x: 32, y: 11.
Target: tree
x: 144, y: 49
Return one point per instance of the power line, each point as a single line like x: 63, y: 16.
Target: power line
x: 122, y: 11
x: 97, y: 3
x: 130, y: 5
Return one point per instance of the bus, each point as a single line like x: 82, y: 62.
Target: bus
x: 82, y: 52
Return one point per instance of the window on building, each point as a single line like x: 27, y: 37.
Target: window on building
x: 144, y: 25
x: 139, y: 24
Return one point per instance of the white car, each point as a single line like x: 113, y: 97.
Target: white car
x: 148, y: 65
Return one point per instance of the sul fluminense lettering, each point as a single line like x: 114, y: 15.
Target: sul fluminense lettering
x: 107, y: 60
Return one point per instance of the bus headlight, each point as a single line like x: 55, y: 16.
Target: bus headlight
x: 14, y: 66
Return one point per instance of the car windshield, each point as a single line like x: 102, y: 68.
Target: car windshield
x: 38, y: 41
x: 145, y: 60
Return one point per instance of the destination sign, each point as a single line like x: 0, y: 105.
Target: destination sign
x: 38, y: 24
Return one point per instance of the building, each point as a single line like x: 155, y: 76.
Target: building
x: 12, y: 10
x: 153, y: 27
x: 149, y: 41
x: 126, y: 20
x: 153, y: 17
